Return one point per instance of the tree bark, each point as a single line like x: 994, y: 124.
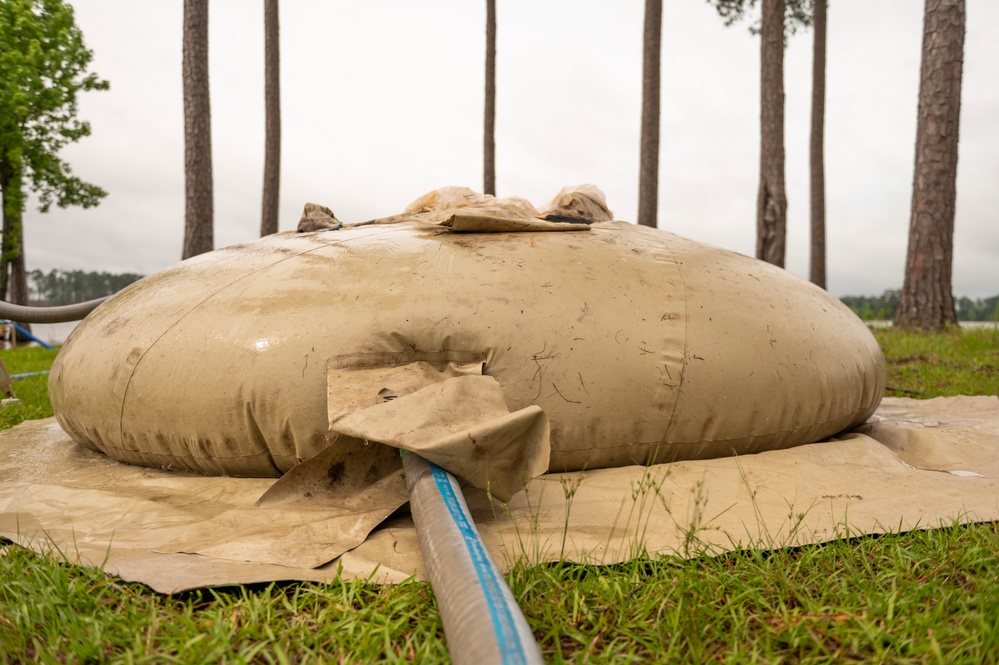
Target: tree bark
x: 6, y: 183
x: 199, y: 211
x: 14, y: 273
x: 272, y: 110
x: 4, y: 272
x: 817, y: 265
x: 489, y: 142
x: 927, y: 301
x: 648, y: 176
x: 19, y: 276
x: 771, y: 201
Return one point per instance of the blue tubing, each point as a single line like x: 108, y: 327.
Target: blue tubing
x: 25, y: 375
x: 30, y: 336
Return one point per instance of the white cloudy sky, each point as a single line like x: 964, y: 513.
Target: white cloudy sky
x: 382, y: 101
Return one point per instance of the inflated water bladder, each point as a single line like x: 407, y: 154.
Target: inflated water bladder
x: 637, y: 344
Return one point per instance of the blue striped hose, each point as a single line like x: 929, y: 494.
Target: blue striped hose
x: 482, y: 622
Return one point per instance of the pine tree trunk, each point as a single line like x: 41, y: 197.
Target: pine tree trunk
x: 272, y: 109
x: 489, y: 143
x: 648, y: 176
x: 927, y: 301
x: 199, y: 211
x: 817, y: 265
x: 771, y: 201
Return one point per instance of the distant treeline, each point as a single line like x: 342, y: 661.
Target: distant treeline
x: 882, y: 307
x: 63, y: 287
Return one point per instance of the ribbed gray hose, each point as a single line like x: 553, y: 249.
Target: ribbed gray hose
x: 60, y: 314
x: 482, y: 621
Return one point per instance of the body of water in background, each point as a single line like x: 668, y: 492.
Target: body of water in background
x: 967, y: 325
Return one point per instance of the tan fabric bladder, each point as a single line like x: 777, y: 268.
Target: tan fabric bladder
x: 638, y: 345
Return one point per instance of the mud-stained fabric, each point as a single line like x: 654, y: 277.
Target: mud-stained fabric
x: 317, y: 218
x: 638, y: 345
x: 461, y: 424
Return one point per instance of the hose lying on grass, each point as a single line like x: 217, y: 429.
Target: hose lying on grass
x: 482, y: 621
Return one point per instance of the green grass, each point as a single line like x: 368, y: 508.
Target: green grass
x: 59, y: 613
x: 951, y: 363
x: 33, y: 390
x: 918, y: 597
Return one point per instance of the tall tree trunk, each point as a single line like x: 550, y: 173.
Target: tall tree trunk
x: 771, y: 201
x: 19, y: 275
x: 199, y: 211
x: 272, y: 109
x: 817, y: 265
x: 927, y: 301
x: 6, y: 235
x: 489, y: 142
x: 7, y: 256
x: 648, y: 176
x: 4, y: 270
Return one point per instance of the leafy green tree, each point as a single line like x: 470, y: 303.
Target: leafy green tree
x: 979, y: 309
x: 62, y: 287
x: 43, y: 67
x: 881, y: 307
x: 885, y: 306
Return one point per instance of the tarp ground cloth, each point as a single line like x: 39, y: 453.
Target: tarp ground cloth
x: 915, y: 464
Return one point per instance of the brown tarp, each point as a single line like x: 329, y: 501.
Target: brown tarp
x: 915, y: 464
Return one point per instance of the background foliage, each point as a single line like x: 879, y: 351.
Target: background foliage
x: 63, y: 287
x: 882, y: 307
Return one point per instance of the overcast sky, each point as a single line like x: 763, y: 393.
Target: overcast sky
x: 382, y: 101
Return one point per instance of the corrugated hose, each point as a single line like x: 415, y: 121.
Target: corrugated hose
x: 482, y: 622
x: 60, y: 314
